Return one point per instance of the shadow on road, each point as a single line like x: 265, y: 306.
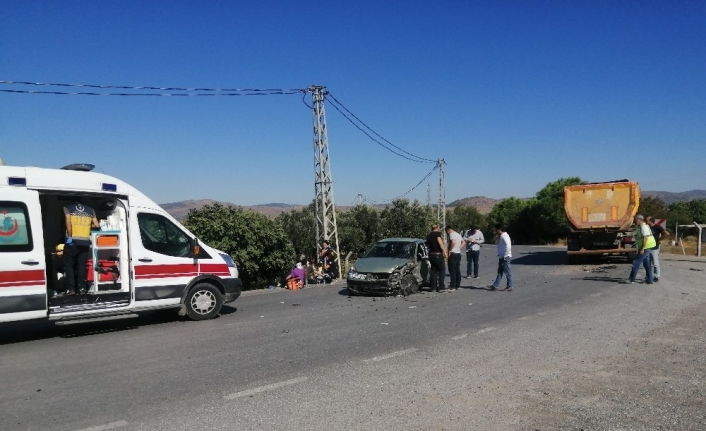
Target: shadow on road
x: 474, y: 287
x: 20, y: 332
x: 559, y: 257
x: 604, y: 279
x: 554, y: 257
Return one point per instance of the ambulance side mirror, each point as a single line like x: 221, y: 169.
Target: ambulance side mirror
x: 196, y: 248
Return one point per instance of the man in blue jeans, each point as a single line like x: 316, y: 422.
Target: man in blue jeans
x: 474, y: 238
x: 504, y: 258
x: 645, y: 242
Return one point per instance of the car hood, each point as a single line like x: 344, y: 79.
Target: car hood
x: 379, y: 264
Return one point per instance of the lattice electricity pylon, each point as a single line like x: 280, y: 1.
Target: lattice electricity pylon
x: 441, y: 207
x: 326, y: 228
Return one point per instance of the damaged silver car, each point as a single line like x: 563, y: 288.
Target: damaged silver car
x: 394, y: 266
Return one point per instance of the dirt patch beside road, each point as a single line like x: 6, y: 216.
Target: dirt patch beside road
x: 660, y: 383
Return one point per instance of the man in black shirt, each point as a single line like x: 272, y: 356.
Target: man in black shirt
x: 437, y: 255
x: 658, y: 232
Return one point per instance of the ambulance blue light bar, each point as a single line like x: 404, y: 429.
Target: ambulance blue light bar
x: 110, y: 187
x: 17, y: 181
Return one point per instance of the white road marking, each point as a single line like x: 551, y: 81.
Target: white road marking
x: 459, y: 337
x: 390, y: 355
x: 108, y: 426
x: 596, y: 294
x: 485, y: 330
x: 254, y: 391
x: 525, y: 318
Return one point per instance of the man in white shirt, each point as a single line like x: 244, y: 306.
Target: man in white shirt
x: 455, y: 244
x: 504, y: 258
x: 474, y: 238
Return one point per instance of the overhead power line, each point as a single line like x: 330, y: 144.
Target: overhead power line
x: 408, y: 191
x: 66, y: 93
x: 360, y: 125
x: 128, y: 87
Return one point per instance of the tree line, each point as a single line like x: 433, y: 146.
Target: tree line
x: 265, y: 248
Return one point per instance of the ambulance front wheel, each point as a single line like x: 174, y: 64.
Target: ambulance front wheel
x: 203, y: 302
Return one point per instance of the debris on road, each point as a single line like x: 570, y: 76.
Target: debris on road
x: 695, y: 269
x: 599, y: 269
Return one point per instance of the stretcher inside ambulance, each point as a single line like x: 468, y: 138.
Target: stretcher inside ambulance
x: 140, y: 258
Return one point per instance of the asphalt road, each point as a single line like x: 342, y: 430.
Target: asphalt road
x: 318, y: 359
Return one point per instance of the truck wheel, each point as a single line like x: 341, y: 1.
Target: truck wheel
x: 203, y: 302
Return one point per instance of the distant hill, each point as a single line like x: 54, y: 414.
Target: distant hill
x: 671, y: 197
x: 481, y: 203
x: 179, y: 210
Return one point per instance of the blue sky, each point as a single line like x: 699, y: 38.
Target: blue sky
x: 512, y: 94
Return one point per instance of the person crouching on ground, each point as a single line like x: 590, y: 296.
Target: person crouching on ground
x: 313, y: 274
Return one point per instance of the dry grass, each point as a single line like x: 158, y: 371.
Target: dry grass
x: 689, y: 249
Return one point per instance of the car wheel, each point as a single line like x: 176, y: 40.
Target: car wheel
x: 203, y: 302
x: 409, y: 284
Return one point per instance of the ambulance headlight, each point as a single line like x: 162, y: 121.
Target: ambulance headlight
x: 228, y: 260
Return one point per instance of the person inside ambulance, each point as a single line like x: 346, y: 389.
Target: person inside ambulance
x: 80, y: 218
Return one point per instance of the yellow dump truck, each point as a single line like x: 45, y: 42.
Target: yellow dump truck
x: 601, y: 218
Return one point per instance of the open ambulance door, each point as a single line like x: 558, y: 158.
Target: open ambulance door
x: 23, y: 288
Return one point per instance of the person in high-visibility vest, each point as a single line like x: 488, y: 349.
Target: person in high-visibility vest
x: 645, y: 243
x: 79, y: 220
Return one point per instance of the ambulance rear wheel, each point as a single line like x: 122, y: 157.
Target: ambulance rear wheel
x: 203, y: 302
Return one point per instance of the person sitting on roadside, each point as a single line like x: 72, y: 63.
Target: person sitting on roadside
x: 313, y: 274
x: 296, y: 277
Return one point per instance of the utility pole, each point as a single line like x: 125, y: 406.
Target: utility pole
x: 441, y: 208
x: 326, y: 229
x: 428, y: 196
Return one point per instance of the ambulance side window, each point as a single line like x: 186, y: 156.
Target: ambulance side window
x: 15, y: 231
x: 161, y: 236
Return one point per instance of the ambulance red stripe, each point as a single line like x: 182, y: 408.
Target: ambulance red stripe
x: 31, y: 277
x: 179, y: 270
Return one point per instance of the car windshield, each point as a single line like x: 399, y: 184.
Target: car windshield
x: 398, y: 249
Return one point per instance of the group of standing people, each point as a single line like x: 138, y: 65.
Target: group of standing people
x: 648, y: 236
x: 451, y: 252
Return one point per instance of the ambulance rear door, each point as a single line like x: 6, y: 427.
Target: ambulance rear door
x: 23, y: 288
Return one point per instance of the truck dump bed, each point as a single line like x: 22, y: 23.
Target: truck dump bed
x: 610, y: 206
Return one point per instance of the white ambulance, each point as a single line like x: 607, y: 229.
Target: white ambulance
x: 140, y: 259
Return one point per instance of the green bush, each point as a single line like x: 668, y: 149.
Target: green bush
x: 258, y: 244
